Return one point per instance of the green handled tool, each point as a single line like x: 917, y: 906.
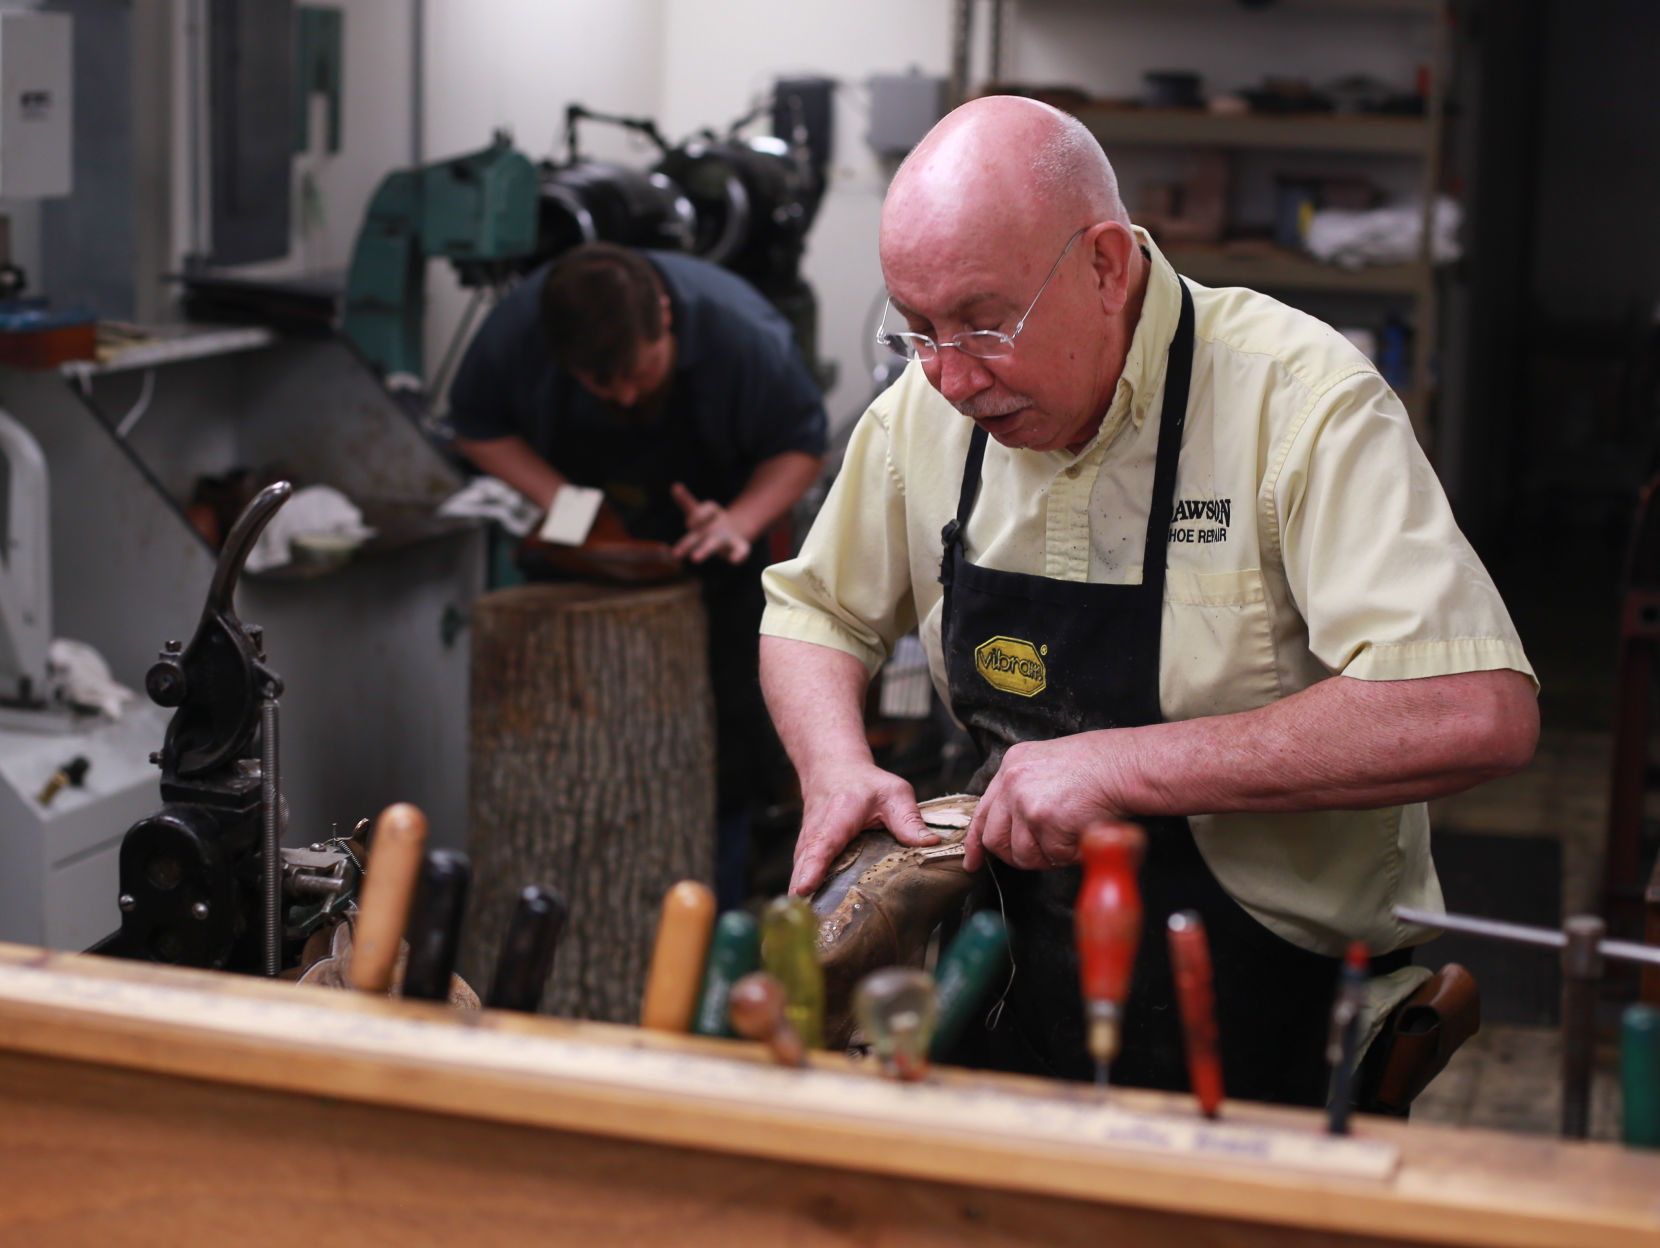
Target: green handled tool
x: 1640, y: 1075
x: 734, y: 952
x: 789, y: 932
x: 964, y: 974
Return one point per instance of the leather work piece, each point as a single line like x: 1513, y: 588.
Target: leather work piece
x: 608, y: 554
x: 328, y: 956
x: 880, y: 902
x: 1424, y: 1032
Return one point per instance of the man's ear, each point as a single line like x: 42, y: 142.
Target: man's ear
x: 1111, y: 247
x: 668, y: 315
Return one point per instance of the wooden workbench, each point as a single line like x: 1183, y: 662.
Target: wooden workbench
x: 145, y: 1105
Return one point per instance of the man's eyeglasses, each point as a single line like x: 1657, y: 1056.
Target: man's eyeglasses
x: 982, y: 344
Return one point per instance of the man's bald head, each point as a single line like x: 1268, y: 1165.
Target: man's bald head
x: 1009, y: 162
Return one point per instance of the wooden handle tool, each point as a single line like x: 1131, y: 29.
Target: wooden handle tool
x: 688, y: 917
x: 388, y: 887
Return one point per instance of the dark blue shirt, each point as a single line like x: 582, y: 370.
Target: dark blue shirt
x: 740, y: 395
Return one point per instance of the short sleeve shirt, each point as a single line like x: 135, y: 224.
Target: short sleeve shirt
x: 1310, y: 538
x: 741, y: 394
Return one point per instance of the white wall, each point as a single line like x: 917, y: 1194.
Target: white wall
x: 721, y: 54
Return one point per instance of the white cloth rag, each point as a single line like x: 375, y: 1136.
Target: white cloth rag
x: 78, y: 676
x: 487, y: 498
x: 1384, y: 235
x: 317, y: 509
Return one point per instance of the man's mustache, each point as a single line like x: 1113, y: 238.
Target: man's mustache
x: 986, y: 408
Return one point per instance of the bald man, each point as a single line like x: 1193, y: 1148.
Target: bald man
x: 1183, y: 562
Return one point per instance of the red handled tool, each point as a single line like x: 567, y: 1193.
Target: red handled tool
x: 1107, y: 919
x: 1195, y: 993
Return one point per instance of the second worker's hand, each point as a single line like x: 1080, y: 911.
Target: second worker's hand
x: 839, y: 804
x: 709, y: 530
x: 1034, y: 812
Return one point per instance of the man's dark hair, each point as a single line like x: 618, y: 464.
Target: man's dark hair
x: 600, y: 304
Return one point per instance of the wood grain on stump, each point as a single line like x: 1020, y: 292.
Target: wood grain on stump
x: 592, y: 771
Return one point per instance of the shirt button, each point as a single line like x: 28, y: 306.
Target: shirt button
x: 1073, y: 471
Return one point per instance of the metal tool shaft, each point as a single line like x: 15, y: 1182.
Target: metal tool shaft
x: 270, y: 802
x: 1547, y: 938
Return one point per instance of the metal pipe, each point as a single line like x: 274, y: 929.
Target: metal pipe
x: 1548, y: 938
x: 270, y: 800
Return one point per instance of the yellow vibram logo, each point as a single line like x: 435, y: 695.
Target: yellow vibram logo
x: 1012, y: 665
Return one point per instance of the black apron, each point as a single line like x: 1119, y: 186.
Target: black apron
x: 1030, y: 658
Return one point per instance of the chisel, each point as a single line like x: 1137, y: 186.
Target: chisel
x: 683, y: 929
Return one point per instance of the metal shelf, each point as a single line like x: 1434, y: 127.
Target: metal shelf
x: 1401, y: 136
x: 1285, y: 270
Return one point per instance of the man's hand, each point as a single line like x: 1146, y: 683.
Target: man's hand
x: 843, y: 802
x: 1045, y: 793
x: 709, y: 530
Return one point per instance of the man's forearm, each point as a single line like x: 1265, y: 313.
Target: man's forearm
x: 512, y: 460
x: 816, y: 696
x: 772, y: 489
x: 1341, y: 744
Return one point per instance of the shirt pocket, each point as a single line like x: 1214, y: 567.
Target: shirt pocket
x: 1217, y: 647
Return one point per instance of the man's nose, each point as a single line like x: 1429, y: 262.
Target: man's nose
x: 959, y: 375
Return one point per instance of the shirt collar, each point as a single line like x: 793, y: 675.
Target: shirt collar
x: 1144, y: 363
x: 1161, y: 307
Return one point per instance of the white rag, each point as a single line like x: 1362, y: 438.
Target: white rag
x: 487, y: 498
x: 317, y: 509
x: 77, y: 676
x: 1384, y: 235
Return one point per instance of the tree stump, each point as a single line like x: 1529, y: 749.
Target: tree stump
x: 592, y: 771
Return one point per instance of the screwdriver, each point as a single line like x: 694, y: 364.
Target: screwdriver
x: 964, y: 973
x: 1107, y: 923
x: 526, y: 958
x: 1344, y: 1035
x: 683, y: 929
x: 388, y: 885
x: 757, y: 1007
x: 72, y: 775
x: 1190, y: 964
x: 896, y: 1007
x: 734, y: 952
x: 789, y: 933
x: 434, y: 932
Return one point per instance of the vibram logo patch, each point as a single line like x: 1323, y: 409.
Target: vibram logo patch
x: 1012, y: 665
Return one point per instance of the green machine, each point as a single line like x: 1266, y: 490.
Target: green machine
x: 478, y: 211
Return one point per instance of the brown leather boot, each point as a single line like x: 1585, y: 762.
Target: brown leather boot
x: 880, y: 902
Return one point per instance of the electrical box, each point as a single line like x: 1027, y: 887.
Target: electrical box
x: 36, y: 109
x: 903, y: 108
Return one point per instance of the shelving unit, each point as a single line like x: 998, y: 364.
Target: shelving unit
x: 1281, y: 272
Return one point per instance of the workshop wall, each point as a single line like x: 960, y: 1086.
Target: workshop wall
x: 720, y: 55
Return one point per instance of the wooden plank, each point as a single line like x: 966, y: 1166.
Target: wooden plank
x: 1451, y: 1187
x: 1286, y: 270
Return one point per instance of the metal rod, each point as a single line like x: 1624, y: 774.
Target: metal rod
x: 1581, y: 974
x: 1621, y: 950
x: 270, y: 801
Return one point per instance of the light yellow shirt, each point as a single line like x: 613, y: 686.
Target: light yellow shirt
x: 1310, y: 537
